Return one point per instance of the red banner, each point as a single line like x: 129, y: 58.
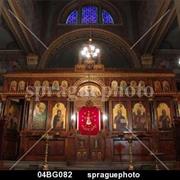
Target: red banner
x: 89, y: 121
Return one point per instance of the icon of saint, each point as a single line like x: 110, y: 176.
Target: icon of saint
x: 58, y: 119
x: 120, y: 121
x: 164, y: 120
x: 88, y: 119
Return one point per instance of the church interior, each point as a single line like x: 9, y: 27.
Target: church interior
x: 90, y: 84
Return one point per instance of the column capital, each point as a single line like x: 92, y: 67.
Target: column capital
x: 32, y: 60
x: 147, y: 60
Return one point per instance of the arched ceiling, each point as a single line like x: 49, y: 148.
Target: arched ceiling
x: 109, y: 39
x: 67, y: 56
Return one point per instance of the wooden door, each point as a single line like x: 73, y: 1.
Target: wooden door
x: 90, y: 148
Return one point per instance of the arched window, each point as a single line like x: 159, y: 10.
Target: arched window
x: 72, y: 18
x: 89, y: 15
x: 106, y: 17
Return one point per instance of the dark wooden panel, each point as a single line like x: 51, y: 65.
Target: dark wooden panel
x: 121, y: 150
x: 10, y: 150
x: 39, y: 149
x: 167, y: 147
x: 177, y: 137
x: 56, y: 148
x: 10, y: 145
x: 2, y: 123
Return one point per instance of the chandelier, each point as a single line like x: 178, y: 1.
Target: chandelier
x: 90, y: 51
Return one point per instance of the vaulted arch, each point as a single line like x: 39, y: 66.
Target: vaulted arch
x: 97, y: 34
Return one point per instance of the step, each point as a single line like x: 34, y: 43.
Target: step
x: 78, y: 165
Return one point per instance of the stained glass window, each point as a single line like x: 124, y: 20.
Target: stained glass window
x: 89, y: 15
x: 106, y: 17
x: 72, y: 18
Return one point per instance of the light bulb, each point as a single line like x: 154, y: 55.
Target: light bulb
x: 97, y: 51
x: 83, y: 53
x: 73, y: 117
x: 85, y: 49
x: 92, y: 47
x: 94, y: 54
x: 104, y: 117
x: 88, y: 55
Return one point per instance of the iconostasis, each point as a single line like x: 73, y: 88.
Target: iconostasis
x: 88, y: 117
